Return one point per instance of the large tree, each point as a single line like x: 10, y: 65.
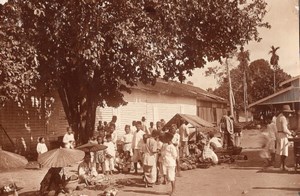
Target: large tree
x: 91, y: 51
x: 259, y: 82
x: 18, y: 62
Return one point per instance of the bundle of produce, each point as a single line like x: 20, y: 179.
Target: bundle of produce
x: 204, y: 163
x: 226, y: 159
x: 9, y: 189
x: 110, y: 192
x: 189, y: 163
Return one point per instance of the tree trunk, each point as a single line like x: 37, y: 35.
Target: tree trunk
x: 87, y: 119
x: 80, y: 104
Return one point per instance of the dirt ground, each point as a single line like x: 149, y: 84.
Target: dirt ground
x: 239, y: 178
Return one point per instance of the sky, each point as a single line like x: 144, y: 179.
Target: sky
x: 284, y: 19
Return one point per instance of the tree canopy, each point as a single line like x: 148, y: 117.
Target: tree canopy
x: 18, y: 58
x: 259, y: 82
x: 91, y: 51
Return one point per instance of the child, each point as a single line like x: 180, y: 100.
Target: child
x: 100, y: 156
x: 41, y: 147
x: 110, y: 154
x: 169, y: 154
x: 123, y: 162
x: 127, y: 140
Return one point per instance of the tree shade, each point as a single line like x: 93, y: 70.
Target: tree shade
x: 91, y: 51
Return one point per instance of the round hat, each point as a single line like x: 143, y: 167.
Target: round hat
x: 286, y: 108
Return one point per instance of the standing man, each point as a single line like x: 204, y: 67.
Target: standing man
x: 282, y: 135
x: 184, y: 138
x: 69, y: 139
x: 144, y: 126
x: 176, y: 143
x: 226, y: 128
x: 151, y: 128
x: 136, y: 145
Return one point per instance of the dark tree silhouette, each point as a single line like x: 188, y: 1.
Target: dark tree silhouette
x: 91, y: 51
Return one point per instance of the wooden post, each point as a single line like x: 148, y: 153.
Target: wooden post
x: 230, y: 91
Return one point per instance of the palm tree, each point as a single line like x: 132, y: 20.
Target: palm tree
x: 274, y: 62
x: 243, y: 58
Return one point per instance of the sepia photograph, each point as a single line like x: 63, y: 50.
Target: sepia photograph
x: 149, y: 97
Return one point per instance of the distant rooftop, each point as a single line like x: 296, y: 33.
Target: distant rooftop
x: 179, y: 89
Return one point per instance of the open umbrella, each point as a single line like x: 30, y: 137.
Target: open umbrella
x: 91, y: 147
x: 9, y: 160
x: 60, y: 157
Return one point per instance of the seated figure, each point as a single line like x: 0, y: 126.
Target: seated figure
x: 54, y: 181
x: 214, y: 142
x: 86, y: 171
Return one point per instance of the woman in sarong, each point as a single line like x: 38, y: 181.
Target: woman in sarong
x: 149, y: 159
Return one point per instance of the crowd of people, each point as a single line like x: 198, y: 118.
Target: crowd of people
x: 154, y: 150
x: 158, y: 150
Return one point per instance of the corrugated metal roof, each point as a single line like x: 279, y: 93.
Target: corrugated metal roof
x: 287, y: 95
x: 179, y: 89
x: 291, y: 94
x: 290, y: 80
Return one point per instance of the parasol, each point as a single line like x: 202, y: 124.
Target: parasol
x: 60, y: 157
x: 9, y: 160
x: 90, y: 147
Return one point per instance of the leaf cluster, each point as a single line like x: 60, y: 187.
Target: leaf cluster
x: 98, y: 48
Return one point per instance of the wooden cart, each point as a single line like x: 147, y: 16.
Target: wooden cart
x: 296, y: 141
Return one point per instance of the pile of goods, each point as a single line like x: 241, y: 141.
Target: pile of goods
x: 189, y: 163
x: 8, y: 189
x: 194, y: 161
x: 199, y: 155
x: 110, y: 192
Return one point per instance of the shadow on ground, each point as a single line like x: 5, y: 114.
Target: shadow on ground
x: 278, y: 171
x: 246, y: 168
x: 254, y: 160
x: 30, y: 193
x: 147, y: 192
x: 277, y: 188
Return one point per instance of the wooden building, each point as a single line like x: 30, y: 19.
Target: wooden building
x: 289, y: 95
x: 161, y: 101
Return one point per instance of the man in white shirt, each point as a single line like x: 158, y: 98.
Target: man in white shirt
x: 127, y: 139
x: 144, y: 126
x: 184, y: 138
x: 176, y: 143
x: 137, y: 139
x: 68, y: 138
x: 282, y: 135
